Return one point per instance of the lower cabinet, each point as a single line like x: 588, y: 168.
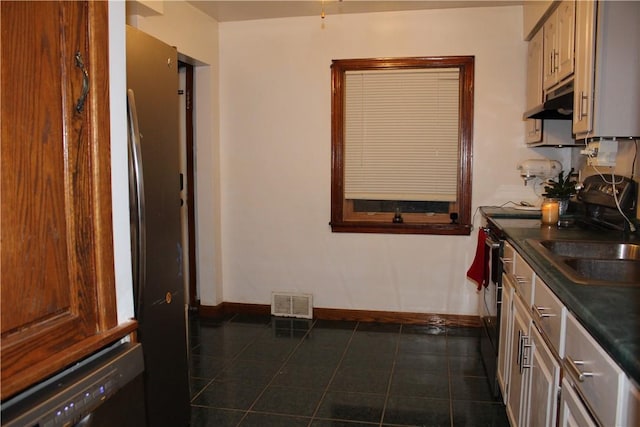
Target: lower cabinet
x: 506, y: 324
x: 572, y: 411
x: 595, y: 377
x: 545, y: 383
x: 528, y: 367
x: 633, y: 411
x: 551, y: 370
x: 521, y: 352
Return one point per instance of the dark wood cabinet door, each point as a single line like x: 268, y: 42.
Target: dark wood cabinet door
x: 57, y: 278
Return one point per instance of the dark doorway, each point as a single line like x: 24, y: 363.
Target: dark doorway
x: 188, y: 183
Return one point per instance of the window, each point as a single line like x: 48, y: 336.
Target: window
x: 401, y: 145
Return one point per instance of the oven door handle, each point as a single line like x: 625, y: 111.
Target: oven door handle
x: 491, y: 242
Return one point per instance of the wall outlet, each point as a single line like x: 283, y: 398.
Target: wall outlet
x: 601, y: 153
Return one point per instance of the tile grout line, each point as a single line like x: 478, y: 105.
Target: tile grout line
x: 393, y: 367
x: 449, y: 378
x: 234, y: 359
x: 335, y: 372
x: 276, y: 373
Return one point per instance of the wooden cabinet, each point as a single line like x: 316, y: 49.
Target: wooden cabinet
x: 528, y: 367
x: 535, y: 95
x: 523, y: 277
x: 633, y: 410
x: 595, y: 377
x: 542, y: 407
x: 58, y: 292
x: 606, y: 84
x: 533, y: 14
x: 550, y: 315
x: 558, y: 45
x: 572, y: 411
x: 583, y: 81
x: 506, y: 325
x: 520, y: 360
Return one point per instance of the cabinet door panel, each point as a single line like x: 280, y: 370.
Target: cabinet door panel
x: 549, y: 32
x: 545, y: 372
x: 33, y: 170
x: 584, y: 64
x: 566, y: 25
x: 57, y: 255
x: 506, y: 321
x: 572, y: 411
x: 520, y: 364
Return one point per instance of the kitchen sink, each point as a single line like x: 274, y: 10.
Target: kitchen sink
x: 591, y: 249
x: 613, y: 270
x: 593, y: 262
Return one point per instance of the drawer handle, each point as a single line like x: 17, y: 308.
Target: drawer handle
x: 538, y: 311
x: 506, y: 260
x: 519, y: 359
x: 85, y: 83
x: 574, y: 368
x: 521, y: 280
x: 525, y: 362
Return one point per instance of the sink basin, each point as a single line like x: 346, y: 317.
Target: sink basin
x: 591, y: 249
x: 593, y: 262
x: 611, y: 270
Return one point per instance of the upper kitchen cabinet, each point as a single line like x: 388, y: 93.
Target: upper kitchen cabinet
x: 533, y: 14
x: 558, y: 45
x: 58, y: 288
x: 535, y: 95
x: 606, y: 84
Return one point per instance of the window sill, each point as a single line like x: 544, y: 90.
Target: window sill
x: 403, y: 228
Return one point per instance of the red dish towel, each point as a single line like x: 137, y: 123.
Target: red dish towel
x: 478, y: 270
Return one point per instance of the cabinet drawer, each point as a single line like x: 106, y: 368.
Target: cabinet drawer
x: 572, y: 411
x: 593, y: 373
x: 523, y: 275
x: 550, y: 316
x: 633, y: 410
x: 508, y: 256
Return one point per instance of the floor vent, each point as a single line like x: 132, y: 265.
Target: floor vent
x: 292, y: 305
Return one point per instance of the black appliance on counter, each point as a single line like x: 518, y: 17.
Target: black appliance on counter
x: 103, y: 390
x: 602, y: 199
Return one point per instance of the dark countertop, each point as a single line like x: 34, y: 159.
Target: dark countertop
x: 611, y: 314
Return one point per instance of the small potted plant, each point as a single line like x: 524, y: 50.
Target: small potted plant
x: 561, y: 190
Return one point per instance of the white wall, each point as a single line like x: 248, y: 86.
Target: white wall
x: 196, y: 36
x: 276, y: 148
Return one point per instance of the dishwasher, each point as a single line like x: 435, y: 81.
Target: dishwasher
x: 103, y: 390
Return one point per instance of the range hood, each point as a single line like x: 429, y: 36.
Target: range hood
x: 558, y: 105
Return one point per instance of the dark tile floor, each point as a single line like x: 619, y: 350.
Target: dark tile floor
x: 267, y: 371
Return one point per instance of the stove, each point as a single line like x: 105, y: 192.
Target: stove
x: 609, y: 202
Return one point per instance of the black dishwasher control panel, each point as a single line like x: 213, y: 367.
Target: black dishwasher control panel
x: 69, y: 397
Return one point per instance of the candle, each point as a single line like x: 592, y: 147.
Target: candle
x: 550, y: 212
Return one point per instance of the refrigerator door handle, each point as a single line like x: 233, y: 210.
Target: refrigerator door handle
x: 137, y: 204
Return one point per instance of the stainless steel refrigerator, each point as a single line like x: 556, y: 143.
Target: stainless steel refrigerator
x: 152, y: 95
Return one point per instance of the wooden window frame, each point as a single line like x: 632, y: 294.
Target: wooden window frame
x: 343, y: 219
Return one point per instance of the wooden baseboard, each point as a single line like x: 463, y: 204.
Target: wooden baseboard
x: 227, y: 308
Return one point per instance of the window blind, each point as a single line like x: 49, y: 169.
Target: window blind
x: 401, y: 134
